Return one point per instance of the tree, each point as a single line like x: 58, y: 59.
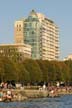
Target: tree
x: 2, y: 71
x: 34, y: 71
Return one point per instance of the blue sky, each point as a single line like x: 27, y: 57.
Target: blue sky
x: 60, y: 11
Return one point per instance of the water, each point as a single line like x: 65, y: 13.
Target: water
x: 59, y: 102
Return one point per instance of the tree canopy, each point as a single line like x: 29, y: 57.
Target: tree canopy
x: 35, y: 71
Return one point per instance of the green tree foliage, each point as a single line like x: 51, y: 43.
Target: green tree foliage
x: 44, y: 69
x: 2, y: 73
x: 34, y: 70
x: 69, y: 65
x: 8, y: 69
x: 22, y: 73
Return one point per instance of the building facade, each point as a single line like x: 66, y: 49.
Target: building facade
x: 39, y: 32
x: 19, y: 51
x: 19, y: 31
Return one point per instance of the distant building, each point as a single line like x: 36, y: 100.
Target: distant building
x: 19, y: 32
x: 69, y: 57
x: 20, y: 51
x: 39, y: 32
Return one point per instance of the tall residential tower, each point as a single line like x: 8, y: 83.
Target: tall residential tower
x: 39, y: 32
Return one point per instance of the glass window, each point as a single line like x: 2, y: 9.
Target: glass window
x: 20, y: 25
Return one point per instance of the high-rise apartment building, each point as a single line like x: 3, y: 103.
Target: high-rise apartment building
x: 39, y: 32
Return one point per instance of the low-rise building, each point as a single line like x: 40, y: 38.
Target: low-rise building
x: 20, y: 51
x: 69, y: 57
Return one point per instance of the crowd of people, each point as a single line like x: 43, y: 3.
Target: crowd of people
x: 7, y: 85
x: 7, y: 88
x: 6, y: 93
